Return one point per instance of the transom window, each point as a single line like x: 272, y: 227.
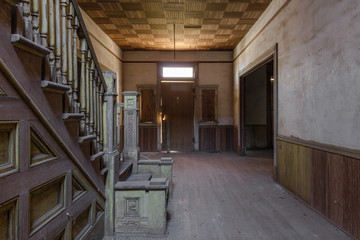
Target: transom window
x: 178, y: 72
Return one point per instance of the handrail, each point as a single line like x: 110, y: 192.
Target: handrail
x: 87, y: 36
x: 57, y: 25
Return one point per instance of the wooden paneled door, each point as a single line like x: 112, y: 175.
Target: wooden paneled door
x: 178, y: 107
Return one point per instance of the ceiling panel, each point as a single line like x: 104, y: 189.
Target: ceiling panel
x: 197, y: 24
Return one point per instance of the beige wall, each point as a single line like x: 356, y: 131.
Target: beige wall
x: 215, y: 68
x: 318, y: 68
x: 139, y: 74
x: 190, y: 56
x: 219, y: 74
x: 107, y: 52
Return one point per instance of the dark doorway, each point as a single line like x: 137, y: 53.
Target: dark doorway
x: 258, y: 109
x: 178, y: 115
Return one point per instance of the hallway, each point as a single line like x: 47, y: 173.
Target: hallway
x: 225, y: 196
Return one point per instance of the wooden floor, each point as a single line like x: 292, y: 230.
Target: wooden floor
x: 225, y: 196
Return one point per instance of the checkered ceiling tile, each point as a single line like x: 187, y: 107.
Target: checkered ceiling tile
x: 191, y: 24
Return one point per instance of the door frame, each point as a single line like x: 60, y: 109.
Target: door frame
x: 269, y: 55
x: 195, y: 82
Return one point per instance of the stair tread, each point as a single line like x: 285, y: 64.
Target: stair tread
x: 96, y: 156
x: 86, y: 138
x: 140, y: 185
x: 139, y: 177
x: 54, y: 87
x: 124, y: 167
x: 22, y: 42
x: 103, y: 171
x: 73, y: 116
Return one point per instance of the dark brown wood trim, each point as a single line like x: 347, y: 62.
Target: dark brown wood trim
x: 23, y: 227
x: 177, y: 61
x: 60, y: 221
x: 26, y: 97
x: 242, y: 116
x: 22, y: 182
x: 353, y: 153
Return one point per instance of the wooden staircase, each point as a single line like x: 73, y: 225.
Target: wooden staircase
x: 52, y: 171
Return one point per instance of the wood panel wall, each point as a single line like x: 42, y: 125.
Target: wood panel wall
x: 42, y: 187
x: 42, y: 190
x: 216, y: 138
x: 294, y: 169
x: 148, y: 138
x: 329, y: 181
x: 236, y: 147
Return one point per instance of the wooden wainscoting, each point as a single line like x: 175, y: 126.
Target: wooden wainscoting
x: 326, y: 177
x: 148, y: 137
x: 294, y: 168
x: 257, y: 136
x: 236, y: 147
x: 216, y: 138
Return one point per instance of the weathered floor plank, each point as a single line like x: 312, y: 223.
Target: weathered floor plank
x: 225, y: 196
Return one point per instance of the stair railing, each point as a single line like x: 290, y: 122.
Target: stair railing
x: 57, y: 25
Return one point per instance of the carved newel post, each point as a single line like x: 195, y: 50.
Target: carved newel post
x: 131, y: 129
x: 112, y: 153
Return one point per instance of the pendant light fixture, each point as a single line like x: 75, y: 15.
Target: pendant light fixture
x: 174, y: 41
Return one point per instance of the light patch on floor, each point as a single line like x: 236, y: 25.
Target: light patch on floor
x: 223, y: 196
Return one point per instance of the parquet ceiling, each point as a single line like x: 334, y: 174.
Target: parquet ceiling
x: 199, y: 24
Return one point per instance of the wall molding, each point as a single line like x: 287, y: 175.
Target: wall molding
x: 105, y: 47
x: 353, y: 153
x: 166, y: 61
x: 261, y: 30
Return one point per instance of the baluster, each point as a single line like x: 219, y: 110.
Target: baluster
x: 44, y: 23
x: 101, y: 117
x: 95, y: 97
x: 63, y: 4
x: 87, y: 93
x: 83, y: 50
x: 35, y: 20
x: 58, y: 41
x: 52, y: 38
x: 27, y: 18
x: 75, y: 68
x: 98, y: 112
x: 70, y: 75
x: 91, y: 96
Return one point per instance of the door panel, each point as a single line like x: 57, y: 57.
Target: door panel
x: 177, y: 105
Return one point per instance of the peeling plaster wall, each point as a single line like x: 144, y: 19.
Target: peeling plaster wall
x: 318, y: 68
x: 107, y: 52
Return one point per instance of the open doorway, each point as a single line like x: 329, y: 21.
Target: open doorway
x: 257, y: 110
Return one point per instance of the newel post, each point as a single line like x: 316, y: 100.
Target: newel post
x: 112, y: 153
x: 131, y: 150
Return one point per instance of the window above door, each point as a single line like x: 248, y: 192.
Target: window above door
x: 177, y: 72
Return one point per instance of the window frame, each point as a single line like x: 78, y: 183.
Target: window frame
x: 208, y: 87
x: 154, y: 89
x: 177, y: 79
